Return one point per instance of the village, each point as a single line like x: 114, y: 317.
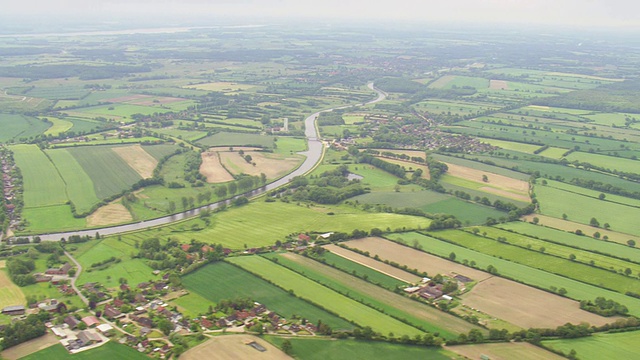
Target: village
x: 11, y: 192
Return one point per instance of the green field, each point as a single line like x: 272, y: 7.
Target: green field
x: 261, y: 224
x: 79, y: 186
x: 571, y: 239
x: 108, y: 171
x: 331, y: 300
x: 581, y: 208
x: 606, y: 162
x: 515, y: 146
x: 237, y: 139
x: 222, y: 281
x: 434, y: 203
x: 322, y: 349
x: 109, y: 351
x: 544, y: 261
x: 35, y: 166
x: 15, y: 127
x: 159, y: 151
x: 51, y: 218
x: 134, y: 270
x: 528, y: 275
x: 59, y: 126
x: 600, y: 346
x: 419, y: 315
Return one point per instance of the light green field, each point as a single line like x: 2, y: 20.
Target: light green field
x: 322, y: 349
x: 59, y: 126
x: 79, y: 186
x: 448, y: 81
x: 351, y: 119
x: 35, y: 166
x: 134, y: 270
x: 510, y: 145
x: 600, y: 346
x: 19, y: 126
x: 10, y: 293
x: 528, y: 275
x: 331, y: 300
x: 607, y: 162
x: 581, y: 208
x: 610, y: 119
x: 192, y: 304
x: 553, y: 152
x: 262, y: 224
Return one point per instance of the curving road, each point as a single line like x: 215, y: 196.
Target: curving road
x: 313, y: 156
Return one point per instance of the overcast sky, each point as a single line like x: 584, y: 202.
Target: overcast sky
x: 596, y: 13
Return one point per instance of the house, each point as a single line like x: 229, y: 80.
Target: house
x: 53, y: 306
x: 304, y: 237
x: 185, y: 247
x: 90, y: 321
x: 144, y: 331
x: 57, y: 331
x: 72, y: 322
x: 159, y: 286
x: 205, y: 323
x: 143, y: 285
x: 145, y: 321
x: 63, y: 270
x: 118, y: 302
x: 104, y: 328
x: 124, y: 287
x: 13, y: 310
x: 111, y: 312
x: 139, y: 298
x: 432, y: 291
x: 42, y: 278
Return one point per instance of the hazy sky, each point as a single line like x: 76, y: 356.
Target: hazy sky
x: 597, y: 13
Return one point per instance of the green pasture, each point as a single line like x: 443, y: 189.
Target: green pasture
x: 192, y: 304
x: 451, y: 108
x: 222, y: 281
x: 287, y: 145
x: 607, y: 162
x: 43, y: 291
x: 470, y: 188
x: 354, y: 268
x: 600, y: 346
x: 510, y: 145
x: 419, y: 315
x: 134, y: 270
x: 618, y: 199
x: 610, y: 119
x: 261, y: 224
x: 528, y: 275
x: 564, y: 251
x: 322, y: 349
x: 545, y: 261
x: 109, y: 351
x: 108, y: 171
x: 123, y: 110
x: 188, y: 135
x: 58, y: 126
x: 237, y: 139
x: 331, y: 300
x: 581, y: 208
x: 51, y: 218
x: 468, y: 213
x: 573, y: 240
x: 35, y: 167
x: 159, y: 151
x: 448, y: 82
x: 553, y: 152
x: 79, y: 187
x: 58, y: 92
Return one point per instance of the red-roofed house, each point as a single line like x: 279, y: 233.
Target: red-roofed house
x: 91, y: 321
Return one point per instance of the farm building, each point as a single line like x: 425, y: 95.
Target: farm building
x: 104, y: 328
x: 72, y: 322
x: 13, y: 310
x: 87, y: 338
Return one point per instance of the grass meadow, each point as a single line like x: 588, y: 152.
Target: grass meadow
x: 109, y: 351
x: 79, y: 186
x: 237, y: 139
x: 35, y: 166
x: 354, y: 268
x: 600, y: 346
x: 15, y: 127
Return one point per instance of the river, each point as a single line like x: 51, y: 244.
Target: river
x: 313, y: 156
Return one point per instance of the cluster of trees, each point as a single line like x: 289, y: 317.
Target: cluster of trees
x: 21, y: 331
x: 330, y: 118
x: 192, y: 164
x: 169, y: 254
x: 604, y: 307
x: 112, y: 259
x: 600, y: 186
x: 20, y: 270
x: 393, y: 169
x: 330, y: 187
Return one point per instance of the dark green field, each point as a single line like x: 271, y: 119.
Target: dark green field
x: 224, y: 281
x: 108, y: 351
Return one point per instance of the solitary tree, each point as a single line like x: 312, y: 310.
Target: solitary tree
x: 631, y: 242
x: 452, y: 256
x: 594, y: 222
x: 601, y: 196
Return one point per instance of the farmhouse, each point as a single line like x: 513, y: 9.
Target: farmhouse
x: 63, y: 270
x: 14, y: 310
x: 111, y: 312
x: 72, y: 322
x: 90, y: 321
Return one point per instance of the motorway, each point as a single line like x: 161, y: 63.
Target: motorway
x: 313, y: 155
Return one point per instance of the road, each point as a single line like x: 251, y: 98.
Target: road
x: 313, y: 155
x: 75, y: 277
